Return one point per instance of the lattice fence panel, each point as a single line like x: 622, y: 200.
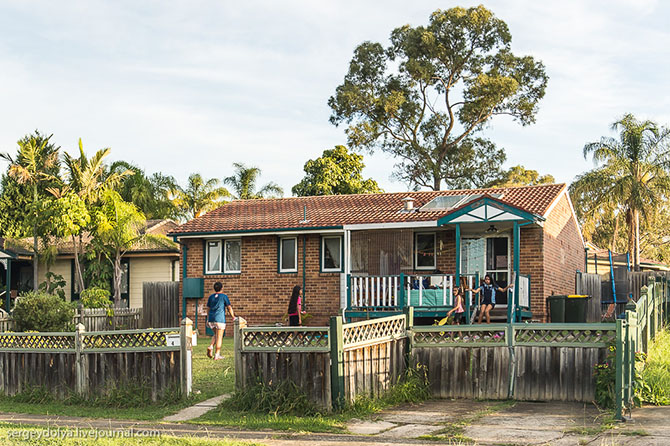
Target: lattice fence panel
x: 374, y: 330
x: 493, y: 336
x: 564, y: 336
x: 9, y: 341
x: 308, y: 339
x: 142, y: 340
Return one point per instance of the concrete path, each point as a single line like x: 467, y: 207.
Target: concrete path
x: 197, y: 410
x: 456, y: 422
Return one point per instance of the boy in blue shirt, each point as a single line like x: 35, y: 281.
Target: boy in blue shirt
x: 218, y: 303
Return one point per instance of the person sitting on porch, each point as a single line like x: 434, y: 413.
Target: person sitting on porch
x: 488, y: 289
x: 459, y: 317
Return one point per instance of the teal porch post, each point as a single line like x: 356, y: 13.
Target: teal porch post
x: 457, y: 274
x: 8, y: 287
x: 517, y: 255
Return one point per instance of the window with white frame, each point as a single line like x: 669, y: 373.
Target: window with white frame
x: 213, y: 260
x: 331, y: 254
x: 223, y: 256
x: 288, y: 255
x: 424, y: 250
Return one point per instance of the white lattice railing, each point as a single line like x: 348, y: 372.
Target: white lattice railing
x: 374, y: 331
x: 524, y: 291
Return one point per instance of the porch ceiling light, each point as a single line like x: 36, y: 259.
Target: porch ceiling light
x: 492, y: 229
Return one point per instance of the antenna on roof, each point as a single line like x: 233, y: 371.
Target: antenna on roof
x: 304, y: 216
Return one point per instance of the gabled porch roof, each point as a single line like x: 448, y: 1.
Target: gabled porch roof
x: 488, y: 209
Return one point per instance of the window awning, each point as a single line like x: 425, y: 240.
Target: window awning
x: 487, y: 209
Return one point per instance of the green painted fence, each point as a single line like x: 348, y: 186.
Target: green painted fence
x: 635, y: 332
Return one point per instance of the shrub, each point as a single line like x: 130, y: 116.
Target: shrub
x: 95, y: 298
x: 38, y: 311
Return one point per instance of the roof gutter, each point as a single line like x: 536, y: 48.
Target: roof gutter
x: 247, y: 232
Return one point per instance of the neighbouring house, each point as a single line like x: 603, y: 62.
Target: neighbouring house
x: 145, y: 262
x: 374, y: 254
x: 600, y: 261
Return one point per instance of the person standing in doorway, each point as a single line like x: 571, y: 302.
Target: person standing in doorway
x: 295, y: 307
x: 488, y: 290
x: 218, y: 303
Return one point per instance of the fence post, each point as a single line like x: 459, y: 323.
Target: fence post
x: 647, y: 314
x: 79, y: 375
x: 409, y: 325
x: 336, y: 361
x: 185, y: 339
x: 401, y: 294
x: 618, y: 383
x: 509, y: 335
x: 239, y: 324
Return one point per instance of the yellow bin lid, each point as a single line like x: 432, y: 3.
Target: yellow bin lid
x: 577, y: 295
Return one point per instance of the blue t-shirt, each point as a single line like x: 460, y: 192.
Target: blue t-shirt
x: 217, y: 304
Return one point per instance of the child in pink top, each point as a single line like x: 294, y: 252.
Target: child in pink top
x: 295, y: 307
x: 458, y: 307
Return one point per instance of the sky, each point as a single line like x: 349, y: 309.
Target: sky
x: 182, y: 87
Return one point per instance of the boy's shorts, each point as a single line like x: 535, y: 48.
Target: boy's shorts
x: 217, y: 325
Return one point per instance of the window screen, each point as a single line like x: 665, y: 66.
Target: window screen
x: 233, y: 256
x: 332, y: 253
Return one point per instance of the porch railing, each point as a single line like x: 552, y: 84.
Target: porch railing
x: 399, y: 291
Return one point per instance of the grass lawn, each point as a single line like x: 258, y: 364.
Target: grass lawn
x: 210, y: 378
x: 656, y: 372
x: 225, y: 417
x: 17, y: 435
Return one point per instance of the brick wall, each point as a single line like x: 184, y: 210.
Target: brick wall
x: 563, y: 250
x: 260, y: 294
x: 532, y: 263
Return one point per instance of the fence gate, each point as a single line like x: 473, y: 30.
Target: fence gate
x: 160, y: 304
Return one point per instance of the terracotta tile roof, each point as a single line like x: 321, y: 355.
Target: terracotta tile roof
x: 337, y: 210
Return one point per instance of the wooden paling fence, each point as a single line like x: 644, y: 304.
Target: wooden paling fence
x: 335, y: 364
x: 643, y: 320
x: 94, y: 319
x: 160, y: 302
x: 93, y: 363
x: 545, y: 362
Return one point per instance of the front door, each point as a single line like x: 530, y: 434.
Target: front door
x: 489, y: 255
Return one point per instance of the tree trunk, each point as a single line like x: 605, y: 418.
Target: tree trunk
x: 436, y: 182
x: 35, y: 260
x: 117, y: 279
x: 636, y: 254
x: 79, y: 278
x: 36, y: 284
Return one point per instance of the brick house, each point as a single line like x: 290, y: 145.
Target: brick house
x: 373, y: 254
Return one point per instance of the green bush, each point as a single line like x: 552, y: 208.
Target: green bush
x: 95, y: 298
x: 38, y: 311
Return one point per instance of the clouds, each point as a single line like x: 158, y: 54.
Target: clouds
x: 192, y: 87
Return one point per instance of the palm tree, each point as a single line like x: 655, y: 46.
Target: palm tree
x: 153, y: 195
x: 88, y: 179
x: 33, y: 167
x: 243, y: 182
x: 632, y: 180
x: 200, y: 196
